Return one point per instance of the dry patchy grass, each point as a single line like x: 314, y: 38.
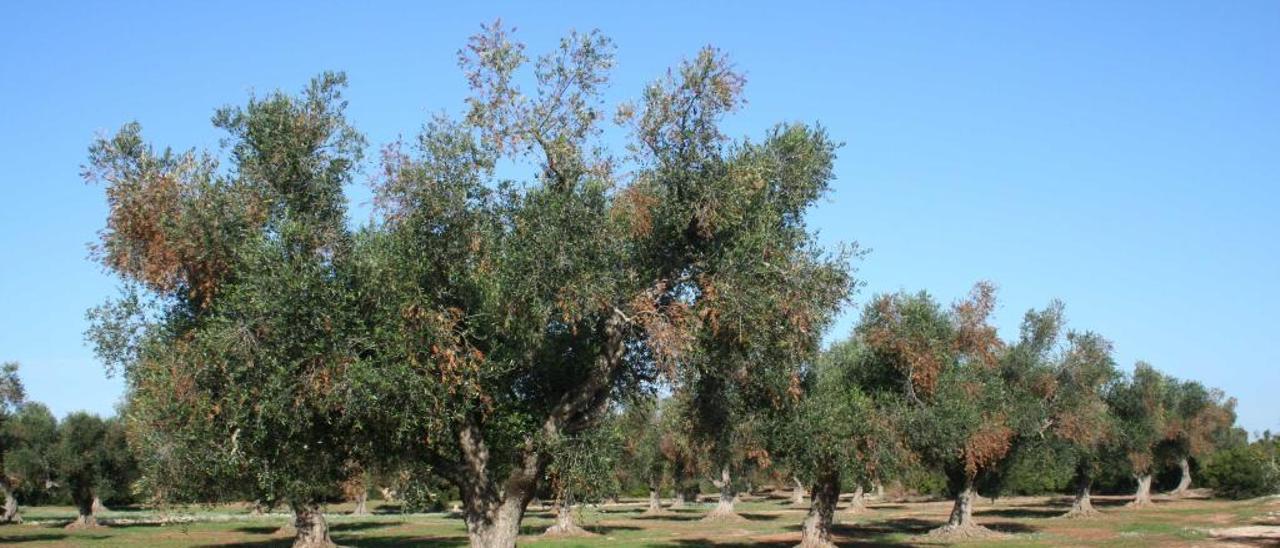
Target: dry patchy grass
x: 1025, y: 521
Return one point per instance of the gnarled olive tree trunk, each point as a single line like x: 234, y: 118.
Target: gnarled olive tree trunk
x: 11, y: 514
x: 362, y: 504
x: 724, y: 507
x: 1082, y: 506
x: 565, y: 525
x: 310, y: 528
x: 816, y: 531
x: 1142, y: 496
x: 857, y: 503
x: 797, y: 491
x: 493, y: 512
x: 655, y: 498
x: 1185, y: 482
x: 84, y: 507
x: 961, y: 523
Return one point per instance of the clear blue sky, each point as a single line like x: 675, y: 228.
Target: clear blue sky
x: 1121, y: 156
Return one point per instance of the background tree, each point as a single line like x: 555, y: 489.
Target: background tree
x: 1138, y: 404
x: 12, y: 395
x: 1197, y: 420
x: 581, y: 472
x: 680, y: 453
x: 833, y: 432
x: 32, y: 432
x: 120, y: 468
x: 1246, y: 470
x: 233, y: 333
x: 82, y: 463
x: 640, y: 426
x: 943, y: 370
x: 1081, y: 423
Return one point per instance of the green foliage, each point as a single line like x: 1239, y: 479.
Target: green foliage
x: 582, y: 467
x: 33, y: 433
x: 835, y: 428
x: 81, y: 459
x: 235, y: 329
x: 1139, y: 406
x: 1245, y: 472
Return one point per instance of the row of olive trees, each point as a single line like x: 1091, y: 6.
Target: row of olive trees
x: 923, y: 388
x: 479, y: 326
x: 83, y: 458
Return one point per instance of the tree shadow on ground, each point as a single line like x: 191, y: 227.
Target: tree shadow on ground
x: 1010, y: 527
x: 607, y: 529
x: 711, y: 541
x: 363, y: 525
x: 256, y: 529
x: 759, y: 517
x: 373, y: 542
x: 39, y: 537
x: 389, y: 509
x: 616, y: 511
x: 1022, y: 512
x: 669, y: 515
x: 906, y: 526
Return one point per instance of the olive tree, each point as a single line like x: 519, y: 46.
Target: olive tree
x: 943, y: 368
x: 581, y: 470
x: 12, y: 395
x: 233, y: 334
x: 81, y: 463
x: 505, y: 315
x: 32, y: 433
x: 1139, y: 406
x: 1081, y: 421
x: 833, y: 432
x: 641, y: 458
x: 1197, y: 420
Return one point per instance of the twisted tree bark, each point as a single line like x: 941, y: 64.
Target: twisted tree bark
x: 1142, y: 496
x: 724, y: 507
x: 797, y: 492
x: 816, y: 530
x: 310, y: 528
x: 1185, y: 482
x: 11, y: 514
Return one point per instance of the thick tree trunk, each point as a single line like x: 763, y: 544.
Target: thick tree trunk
x: 85, y: 519
x: 857, y: 503
x: 816, y: 531
x: 565, y: 525
x: 362, y: 506
x: 797, y: 492
x: 310, y: 528
x: 98, y: 507
x: 1185, y: 482
x: 677, y: 501
x: 493, y: 511
x: 1082, y: 507
x: 961, y: 523
x: 11, y: 514
x: 1142, y: 497
x: 724, y: 507
x: 498, y: 528
x: 879, y: 488
x: 655, y: 499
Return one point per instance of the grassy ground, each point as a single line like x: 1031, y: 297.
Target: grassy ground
x: 1026, y: 521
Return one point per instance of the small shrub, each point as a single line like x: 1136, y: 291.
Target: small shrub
x: 1242, y: 472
